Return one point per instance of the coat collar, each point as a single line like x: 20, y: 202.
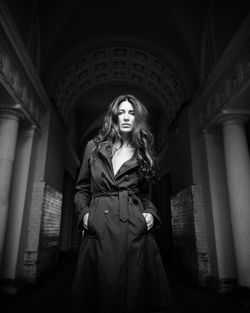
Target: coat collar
x: 106, y: 151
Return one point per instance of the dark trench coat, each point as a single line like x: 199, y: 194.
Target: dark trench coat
x: 119, y: 267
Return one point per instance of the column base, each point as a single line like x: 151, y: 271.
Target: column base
x: 227, y: 285
x: 11, y: 286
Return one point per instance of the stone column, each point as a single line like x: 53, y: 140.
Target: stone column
x: 238, y: 179
x: 218, y: 190
x: 19, y: 207
x: 9, y: 121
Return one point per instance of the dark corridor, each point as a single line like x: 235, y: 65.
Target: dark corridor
x: 52, y: 294
x: 61, y: 64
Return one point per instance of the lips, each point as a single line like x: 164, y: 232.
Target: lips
x: 126, y: 125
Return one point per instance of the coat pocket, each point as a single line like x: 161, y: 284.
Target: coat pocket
x: 140, y: 221
x: 92, y: 231
x: 144, y: 223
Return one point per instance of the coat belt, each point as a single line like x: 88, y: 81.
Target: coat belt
x: 124, y: 196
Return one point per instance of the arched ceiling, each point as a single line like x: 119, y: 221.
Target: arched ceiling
x: 174, y: 25
x: 123, y: 65
x: 164, y: 48
x: 67, y: 25
x: 154, y: 47
x: 87, y: 52
x: 89, y: 46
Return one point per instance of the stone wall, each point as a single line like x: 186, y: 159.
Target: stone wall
x: 189, y: 235
x: 43, y: 231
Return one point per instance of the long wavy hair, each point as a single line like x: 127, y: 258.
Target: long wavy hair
x: 141, y: 137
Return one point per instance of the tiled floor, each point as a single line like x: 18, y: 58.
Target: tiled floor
x: 52, y: 295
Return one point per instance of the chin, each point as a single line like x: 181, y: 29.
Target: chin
x: 126, y: 130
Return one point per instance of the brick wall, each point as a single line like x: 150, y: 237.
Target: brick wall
x: 189, y: 234
x: 51, y: 218
x: 201, y: 237
x: 32, y: 249
x: 43, y: 231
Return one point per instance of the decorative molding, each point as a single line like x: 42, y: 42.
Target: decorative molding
x: 13, y: 81
x: 230, y: 54
x: 222, y: 117
x: 119, y: 64
x: 228, y: 80
x: 21, y: 112
x: 231, y: 87
x: 18, y: 74
x: 11, y: 112
x: 231, y: 116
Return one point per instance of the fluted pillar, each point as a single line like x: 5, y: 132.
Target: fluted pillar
x: 220, y: 208
x: 19, y: 206
x: 9, y: 121
x: 238, y: 179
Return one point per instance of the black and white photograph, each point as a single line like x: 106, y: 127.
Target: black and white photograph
x: 124, y: 156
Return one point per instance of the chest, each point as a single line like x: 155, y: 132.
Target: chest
x: 120, y: 157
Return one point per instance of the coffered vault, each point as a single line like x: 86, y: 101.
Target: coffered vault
x: 121, y: 64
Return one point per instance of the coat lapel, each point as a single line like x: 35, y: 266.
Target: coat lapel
x: 127, y: 166
x: 106, y: 149
x: 106, y: 152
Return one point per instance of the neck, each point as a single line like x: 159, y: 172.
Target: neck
x: 126, y: 139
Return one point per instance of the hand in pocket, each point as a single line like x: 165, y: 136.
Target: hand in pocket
x: 86, y: 221
x: 149, y: 220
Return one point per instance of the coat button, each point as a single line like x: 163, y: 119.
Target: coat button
x: 126, y: 177
x: 106, y: 211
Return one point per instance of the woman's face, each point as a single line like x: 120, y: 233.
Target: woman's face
x: 126, y: 116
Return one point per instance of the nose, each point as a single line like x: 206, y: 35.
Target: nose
x: 126, y: 117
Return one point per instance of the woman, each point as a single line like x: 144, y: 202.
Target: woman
x: 119, y: 268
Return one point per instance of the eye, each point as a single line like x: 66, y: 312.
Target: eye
x: 120, y: 112
x: 132, y: 113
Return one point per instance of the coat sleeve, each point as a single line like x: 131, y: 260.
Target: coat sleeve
x: 148, y: 205
x: 83, y: 192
